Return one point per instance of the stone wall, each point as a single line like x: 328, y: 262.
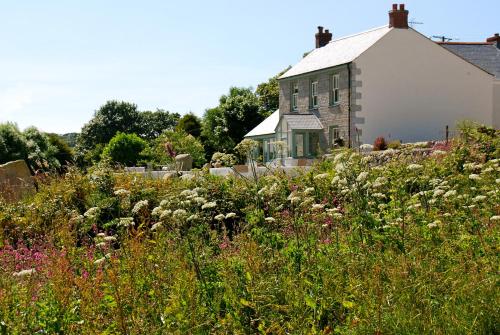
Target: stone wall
x: 15, y: 181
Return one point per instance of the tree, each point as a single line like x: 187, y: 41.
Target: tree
x: 268, y: 94
x: 41, y: 153
x: 190, y: 124
x: 124, y: 149
x: 64, y: 153
x: 171, y: 143
x: 152, y: 124
x: 109, y: 119
x: 225, y: 125
x: 13, y: 144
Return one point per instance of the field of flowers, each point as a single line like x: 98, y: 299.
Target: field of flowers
x: 352, y: 246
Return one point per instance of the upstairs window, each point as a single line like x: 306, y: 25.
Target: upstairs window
x: 314, y: 94
x: 295, y: 96
x: 335, y: 94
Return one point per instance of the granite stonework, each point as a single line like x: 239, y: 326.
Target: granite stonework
x: 329, y: 114
x: 15, y: 181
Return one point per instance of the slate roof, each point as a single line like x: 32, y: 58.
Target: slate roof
x: 303, y: 121
x: 340, y: 51
x: 484, y: 55
x: 266, y: 127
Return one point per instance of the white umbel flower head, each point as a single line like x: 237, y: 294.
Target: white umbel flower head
x: 156, y: 226
x: 474, y: 176
x: 270, y: 219
x: 495, y: 218
x: 99, y: 261
x: 92, y: 212
x: 179, y: 213
x: 126, y: 222
x: 230, y: 215
x: 362, y: 177
x: 414, y: 167
x: 24, y: 273
x: 220, y: 217
x: 139, y: 206
x: 209, y: 205
x: 321, y: 176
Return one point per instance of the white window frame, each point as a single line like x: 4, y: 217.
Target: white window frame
x: 334, y: 133
x: 314, y: 94
x: 335, y: 89
x: 295, y: 96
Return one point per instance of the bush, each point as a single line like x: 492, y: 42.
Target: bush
x: 396, y: 144
x: 13, y: 144
x: 124, y: 149
x: 224, y: 159
x: 172, y: 143
x: 379, y: 144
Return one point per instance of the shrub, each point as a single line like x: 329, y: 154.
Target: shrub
x: 124, y: 149
x: 13, y: 144
x: 379, y: 144
x: 396, y: 144
x: 171, y: 143
x: 224, y: 159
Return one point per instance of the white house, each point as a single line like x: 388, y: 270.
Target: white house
x: 390, y: 81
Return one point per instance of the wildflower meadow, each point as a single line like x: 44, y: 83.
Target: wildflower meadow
x: 389, y: 242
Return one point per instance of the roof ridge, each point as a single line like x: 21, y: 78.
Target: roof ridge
x: 466, y: 43
x: 360, y: 33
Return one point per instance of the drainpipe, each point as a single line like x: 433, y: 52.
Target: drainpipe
x: 349, y: 106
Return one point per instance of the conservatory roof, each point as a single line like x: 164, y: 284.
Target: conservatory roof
x: 303, y: 121
x: 267, y: 126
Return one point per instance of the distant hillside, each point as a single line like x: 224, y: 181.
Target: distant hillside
x: 70, y: 138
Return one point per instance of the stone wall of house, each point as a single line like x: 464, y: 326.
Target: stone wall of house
x: 329, y: 115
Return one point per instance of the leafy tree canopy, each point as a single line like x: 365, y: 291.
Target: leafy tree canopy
x: 109, y: 119
x: 190, y: 124
x: 238, y: 112
x: 13, y: 144
x: 268, y: 94
x: 124, y: 149
x: 64, y: 153
x: 152, y: 124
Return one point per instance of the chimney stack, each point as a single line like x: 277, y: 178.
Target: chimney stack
x: 322, y: 38
x: 494, y: 39
x: 398, y: 18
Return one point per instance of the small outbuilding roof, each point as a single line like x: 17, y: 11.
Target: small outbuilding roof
x: 337, y: 52
x: 484, y: 55
x: 267, y: 126
x: 303, y: 121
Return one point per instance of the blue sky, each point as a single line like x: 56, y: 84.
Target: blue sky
x: 60, y: 60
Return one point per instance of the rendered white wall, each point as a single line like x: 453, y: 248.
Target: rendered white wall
x: 496, y: 104
x: 411, y: 88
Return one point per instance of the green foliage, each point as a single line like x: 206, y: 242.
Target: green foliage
x: 63, y: 153
x: 109, y: 119
x: 237, y: 114
x: 13, y: 144
x: 125, y: 149
x: 190, y: 124
x: 268, y: 94
x: 114, y: 117
x: 31, y: 145
x: 181, y: 143
x: 153, y: 124
x: 70, y: 139
x: 350, y: 246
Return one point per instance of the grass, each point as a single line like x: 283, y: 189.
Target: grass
x: 351, y: 247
